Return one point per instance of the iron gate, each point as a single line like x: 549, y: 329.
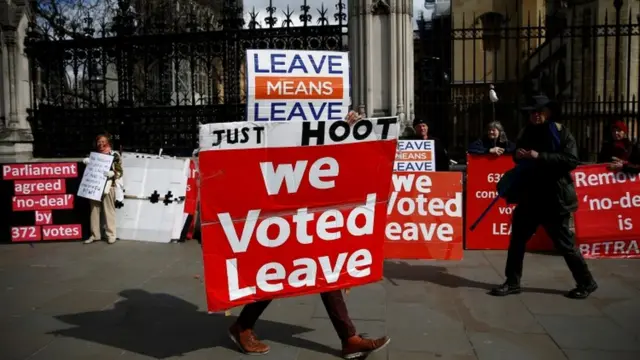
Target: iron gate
x: 153, y: 71
x: 583, y: 54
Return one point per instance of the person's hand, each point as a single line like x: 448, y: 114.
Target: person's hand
x: 353, y: 117
x: 85, y: 161
x: 616, y: 164
x: 524, y: 154
x: 493, y: 150
x: 499, y: 151
x: 109, y: 174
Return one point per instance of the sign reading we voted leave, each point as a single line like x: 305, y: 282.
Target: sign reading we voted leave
x: 286, y: 85
x: 300, y: 215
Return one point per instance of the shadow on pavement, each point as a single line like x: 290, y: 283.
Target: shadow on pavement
x: 162, y: 326
x: 398, y: 270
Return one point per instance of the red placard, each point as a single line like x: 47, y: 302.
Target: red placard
x: 425, y: 216
x: 493, y: 232
x: 191, y: 197
x: 608, y: 217
x: 320, y: 229
x: 39, y: 202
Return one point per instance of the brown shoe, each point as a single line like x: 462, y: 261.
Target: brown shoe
x: 247, y: 341
x: 357, y: 346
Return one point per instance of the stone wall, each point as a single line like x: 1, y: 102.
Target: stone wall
x: 381, y: 56
x: 16, y: 139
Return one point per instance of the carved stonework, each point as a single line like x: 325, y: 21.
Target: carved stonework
x: 380, y: 7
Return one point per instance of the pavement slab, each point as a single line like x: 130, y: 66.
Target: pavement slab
x: 136, y: 301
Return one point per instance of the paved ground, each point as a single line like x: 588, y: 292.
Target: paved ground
x: 145, y: 301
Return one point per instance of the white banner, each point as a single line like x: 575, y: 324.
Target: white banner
x: 285, y: 85
x: 94, y: 178
x: 249, y: 135
x: 154, y: 200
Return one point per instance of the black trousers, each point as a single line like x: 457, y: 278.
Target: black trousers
x: 333, y: 302
x: 525, y: 222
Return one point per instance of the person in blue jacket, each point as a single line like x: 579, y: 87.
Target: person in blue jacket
x: 494, y: 142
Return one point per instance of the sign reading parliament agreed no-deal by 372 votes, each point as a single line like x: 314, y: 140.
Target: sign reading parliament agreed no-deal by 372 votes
x: 284, y: 85
x: 43, y: 205
x: 282, y: 216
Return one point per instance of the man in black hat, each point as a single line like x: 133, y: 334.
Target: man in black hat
x: 546, y: 153
x: 421, y: 132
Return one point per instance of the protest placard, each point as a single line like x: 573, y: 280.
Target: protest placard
x: 608, y: 218
x: 283, y: 217
x: 37, y: 202
x: 284, y: 85
x: 494, y: 231
x: 415, y: 155
x: 94, y: 178
x: 425, y: 216
x: 248, y: 135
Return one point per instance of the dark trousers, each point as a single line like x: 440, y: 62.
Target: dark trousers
x: 525, y: 222
x: 333, y: 302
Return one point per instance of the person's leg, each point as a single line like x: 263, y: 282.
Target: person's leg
x: 333, y: 302
x: 109, y: 211
x: 94, y: 221
x: 353, y: 345
x: 251, y: 313
x: 558, y: 228
x: 241, y: 332
x: 523, y: 225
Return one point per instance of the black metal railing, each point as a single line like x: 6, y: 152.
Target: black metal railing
x: 586, y: 59
x: 151, y: 72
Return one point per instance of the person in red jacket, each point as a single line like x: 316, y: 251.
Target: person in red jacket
x: 619, y: 147
x: 621, y: 153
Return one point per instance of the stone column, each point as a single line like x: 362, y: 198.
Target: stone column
x: 16, y: 139
x: 381, y: 56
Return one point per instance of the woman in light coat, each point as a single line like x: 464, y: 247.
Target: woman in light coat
x: 103, y: 213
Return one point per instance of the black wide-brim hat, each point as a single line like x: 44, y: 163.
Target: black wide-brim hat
x: 537, y: 103
x: 417, y: 122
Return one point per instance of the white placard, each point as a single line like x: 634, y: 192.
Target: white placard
x: 94, y: 179
x: 248, y: 135
x: 141, y: 219
x: 294, y: 85
x: 415, y: 156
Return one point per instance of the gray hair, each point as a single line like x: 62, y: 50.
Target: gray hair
x: 498, y: 126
